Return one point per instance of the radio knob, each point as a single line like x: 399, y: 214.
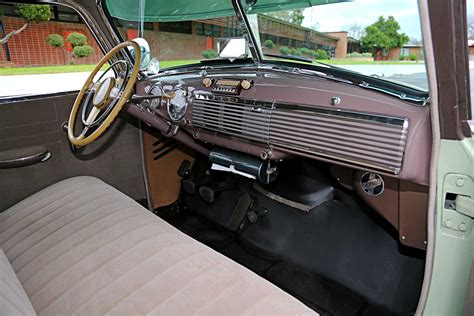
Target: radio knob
x: 207, y: 82
x: 246, y: 84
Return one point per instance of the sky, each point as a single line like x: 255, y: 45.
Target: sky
x: 333, y: 17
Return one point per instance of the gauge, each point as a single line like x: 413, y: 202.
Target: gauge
x: 178, y: 105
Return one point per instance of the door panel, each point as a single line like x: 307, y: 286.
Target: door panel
x: 114, y: 158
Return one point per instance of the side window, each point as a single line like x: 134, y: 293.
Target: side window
x: 44, y: 49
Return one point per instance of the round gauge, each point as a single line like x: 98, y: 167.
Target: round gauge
x: 178, y: 105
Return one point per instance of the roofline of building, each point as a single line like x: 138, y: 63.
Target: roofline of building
x: 299, y: 27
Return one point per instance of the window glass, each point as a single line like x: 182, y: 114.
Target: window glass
x: 175, y: 39
x: 376, y: 38
x: 44, y: 57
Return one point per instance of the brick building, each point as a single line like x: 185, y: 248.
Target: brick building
x: 168, y: 40
x: 405, y: 51
x: 30, y: 47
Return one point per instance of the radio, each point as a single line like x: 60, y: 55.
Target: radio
x: 227, y: 86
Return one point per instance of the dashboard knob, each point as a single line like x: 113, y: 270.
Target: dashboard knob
x: 246, y: 84
x: 207, y: 82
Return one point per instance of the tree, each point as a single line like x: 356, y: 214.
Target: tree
x: 292, y: 16
x: 354, y: 30
x: 315, y: 26
x: 31, y: 13
x: 414, y: 41
x: 383, y: 35
x: 297, y: 16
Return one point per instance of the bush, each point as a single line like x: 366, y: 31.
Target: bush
x: 304, y: 51
x: 367, y: 55
x: 412, y: 57
x: 321, y: 54
x: 401, y: 57
x: 209, y: 53
x: 82, y: 51
x: 312, y: 53
x: 354, y: 55
x: 296, y: 52
x: 269, y: 44
x: 34, y: 12
x: 55, y: 40
x: 284, y: 50
x: 77, y: 39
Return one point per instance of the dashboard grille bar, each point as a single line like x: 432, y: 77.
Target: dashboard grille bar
x: 232, y: 116
x: 362, y: 139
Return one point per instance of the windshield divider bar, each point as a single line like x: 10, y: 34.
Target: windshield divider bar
x: 242, y: 17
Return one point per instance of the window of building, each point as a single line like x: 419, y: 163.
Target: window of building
x: 132, y: 25
x: 184, y: 27
x: 283, y: 40
x: 64, y: 14
x: 213, y: 30
x: 404, y: 51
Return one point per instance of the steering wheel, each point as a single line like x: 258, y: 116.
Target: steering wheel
x: 102, y: 100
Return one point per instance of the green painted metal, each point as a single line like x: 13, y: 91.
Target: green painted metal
x: 454, y: 241
x: 183, y: 10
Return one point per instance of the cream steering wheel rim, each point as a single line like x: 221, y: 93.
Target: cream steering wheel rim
x: 80, y: 140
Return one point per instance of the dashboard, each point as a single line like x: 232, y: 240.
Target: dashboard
x: 274, y: 115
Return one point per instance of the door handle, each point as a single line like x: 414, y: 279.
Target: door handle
x: 23, y: 156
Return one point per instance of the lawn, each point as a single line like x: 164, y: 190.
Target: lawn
x: 14, y: 71
x: 364, y: 62
x: 165, y: 64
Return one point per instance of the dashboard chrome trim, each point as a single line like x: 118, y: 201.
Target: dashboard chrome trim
x: 362, y: 139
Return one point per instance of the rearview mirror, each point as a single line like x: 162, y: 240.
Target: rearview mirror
x: 145, y: 52
x: 232, y: 48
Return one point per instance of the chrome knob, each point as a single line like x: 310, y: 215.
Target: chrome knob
x: 246, y: 84
x: 207, y: 82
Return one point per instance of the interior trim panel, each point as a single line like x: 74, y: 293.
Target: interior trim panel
x: 275, y: 114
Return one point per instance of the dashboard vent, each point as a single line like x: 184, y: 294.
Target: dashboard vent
x: 232, y: 116
x: 355, y: 138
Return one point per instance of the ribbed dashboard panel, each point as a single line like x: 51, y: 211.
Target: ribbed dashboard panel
x: 233, y: 116
x: 356, y: 138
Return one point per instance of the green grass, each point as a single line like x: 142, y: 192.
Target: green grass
x: 363, y: 62
x: 173, y: 63
x: 44, y: 70
x: 13, y: 71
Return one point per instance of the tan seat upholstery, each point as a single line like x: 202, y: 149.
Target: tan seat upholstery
x: 13, y: 299
x: 80, y: 246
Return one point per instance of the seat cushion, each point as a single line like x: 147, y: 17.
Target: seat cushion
x: 80, y: 246
x: 13, y: 299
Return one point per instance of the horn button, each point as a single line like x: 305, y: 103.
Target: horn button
x: 102, y: 95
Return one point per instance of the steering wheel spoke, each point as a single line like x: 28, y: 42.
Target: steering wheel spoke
x: 105, y: 96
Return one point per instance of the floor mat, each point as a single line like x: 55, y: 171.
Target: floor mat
x: 320, y: 294
x: 338, y: 258
x: 345, y: 245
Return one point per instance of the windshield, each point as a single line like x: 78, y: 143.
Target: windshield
x: 380, y: 39
x: 178, y: 32
x: 375, y: 38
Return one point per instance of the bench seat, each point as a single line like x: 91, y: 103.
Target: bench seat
x: 82, y: 247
